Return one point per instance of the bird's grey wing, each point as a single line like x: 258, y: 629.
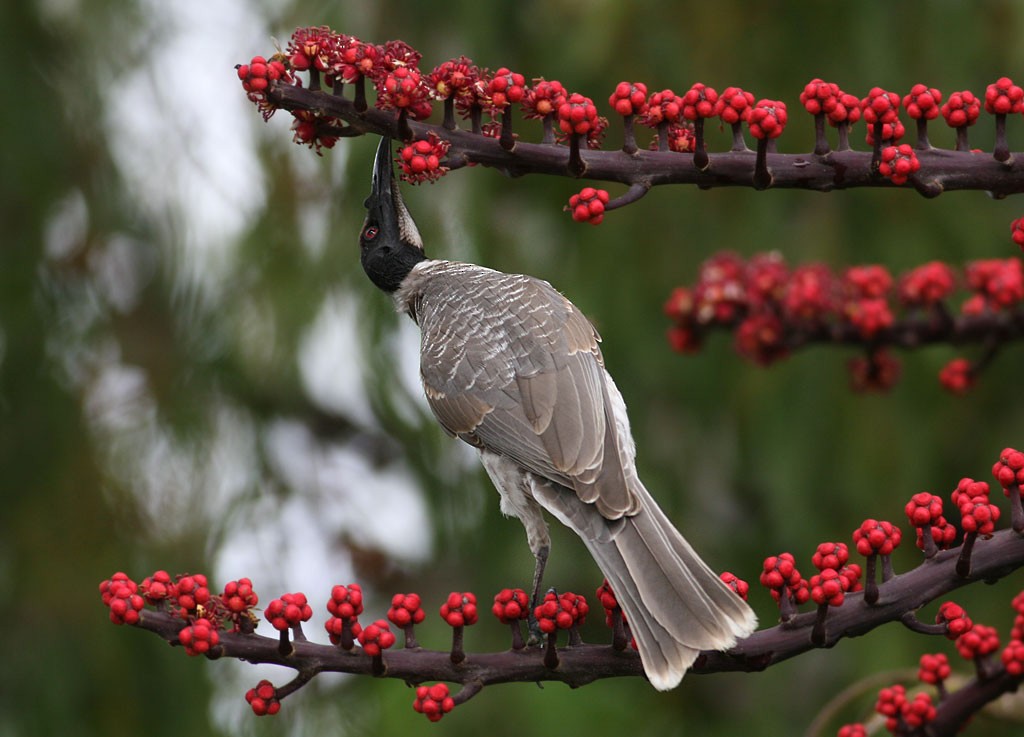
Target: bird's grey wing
x: 522, y: 376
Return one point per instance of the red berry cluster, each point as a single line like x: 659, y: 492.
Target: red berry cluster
x: 544, y: 99
x: 934, y: 668
x: 1003, y: 97
x: 1013, y: 658
x: 977, y: 642
x: 898, y: 163
x: 961, y: 109
x: 421, y: 160
x: 922, y: 102
x: 344, y: 606
x: 406, y: 609
x: 309, y: 128
x: 588, y: 205
x: 263, y: 699
x: 453, y: 79
x: 773, y: 310
x: 767, y: 119
x: 120, y: 594
x: 1009, y: 472
x: 288, y: 612
x: 875, y: 537
x: 629, y: 98
x: 506, y: 87
x: 459, y: 609
x: 376, y: 638
x: 577, y: 116
x: 664, y: 106
x: 190, y: 593
x: 890, y: 704
x: 511, y: 605
x: 737, y: 584
x: 700, y: 101
x: 312, y: 48
x: 239, y: 601
x: 157, y: 588
x: 781, y: 577
x: 403, y: 89
x: 825, y: 98
x: 882, y: 107
x: 187, y: 596
x: 904, y: 715
x: 199, y: 637
x: 955, y: 619
x: 560, y: 611
x: 256, y: 77
x: 934, y: 532
x: 433, y: 702
x: 978, y: 515
x: 734, y: 105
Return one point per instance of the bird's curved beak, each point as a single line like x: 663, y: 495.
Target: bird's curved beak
x: 380, y: 205
x: 385, y: 205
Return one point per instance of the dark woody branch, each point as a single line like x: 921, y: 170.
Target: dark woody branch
x: 899, y: 599
x: 941, y: 170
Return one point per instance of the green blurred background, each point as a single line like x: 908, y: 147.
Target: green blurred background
x: 195, y: 374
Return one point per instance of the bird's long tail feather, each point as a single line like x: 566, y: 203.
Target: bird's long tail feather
x: 674, y: 603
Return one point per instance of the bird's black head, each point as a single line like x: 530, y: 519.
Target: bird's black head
x: 390, y: 245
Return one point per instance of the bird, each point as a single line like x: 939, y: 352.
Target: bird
x: 510, y: 366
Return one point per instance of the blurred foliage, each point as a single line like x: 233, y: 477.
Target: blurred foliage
x: 150, y: 354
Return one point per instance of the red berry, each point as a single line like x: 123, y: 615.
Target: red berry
x: 506, y: 87
x: 961, y: 109
x: 156, y: 588
x: 922, y: 102
x: 898, y: 163
x: 978, y: 641
x: 875, y: 537
x: 577, y: 115
x: 543, y: 99
x: 263, y: 699
x: 199, y: 637
x: 587, y: 206
x: 291, y: 610
x: 239, y: 596
x: 1013, y: 658
x: 699, y: 102
x: 376, y: 637
x: 629, y: 98
x: 664, y: 106
x: 346, y: 601
x: 734, y: 105
x: 459, y: 610
x: 955, y: 618
x: 511, y: 605
x: 957, y: 376
x: 927, y: 284
x: 433, y: 701
x: 735, y: 583
x: 820, y: 97
x: 767, y: 119
x: 1003, y: 97
x: 934, y: 668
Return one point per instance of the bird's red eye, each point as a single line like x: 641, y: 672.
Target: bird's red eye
x: 370, y: 233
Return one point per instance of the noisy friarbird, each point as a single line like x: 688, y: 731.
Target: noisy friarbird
x: 513, y: 368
